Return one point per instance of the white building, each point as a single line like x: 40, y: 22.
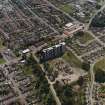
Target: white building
x: 25, y: 51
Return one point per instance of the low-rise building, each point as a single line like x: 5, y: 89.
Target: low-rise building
x: 72, y: 28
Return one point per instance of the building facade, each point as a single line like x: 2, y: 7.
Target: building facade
x: 53, y: 52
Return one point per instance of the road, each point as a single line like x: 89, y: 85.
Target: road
x: 92, y: 83
x: 98, y: 40
x: 93, y: 80
x: 58, y: 102
x: 13, y: 84
x: 92, y: 65
x: 43, y: 70
x: 49, y: 3
x: 37, y: 17
x: 87, y: 27
x: 15, y: 87
x: 69, y: 49
x: 88, y: 53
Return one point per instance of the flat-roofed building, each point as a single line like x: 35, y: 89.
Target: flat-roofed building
x: 25, y: 51
x: 72, y: 28
x: 52, y: 52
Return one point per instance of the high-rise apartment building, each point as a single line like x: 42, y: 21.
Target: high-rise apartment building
x: 52, y: 52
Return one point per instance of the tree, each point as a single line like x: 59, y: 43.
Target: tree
x: 100, y: 76
x: 1, y: 55
x: 98, y: 6
x: 49, y: 100
x: 80, y: 33
x: 99, y: 20
x: 68, y: 95
x: 31, y: 60
x: 86, y: 66
x: 68, y: 91
x: 80, y: 81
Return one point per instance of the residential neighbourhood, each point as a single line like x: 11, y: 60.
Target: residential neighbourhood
x: 52, y: 52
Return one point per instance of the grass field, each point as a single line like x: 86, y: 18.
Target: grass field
x: 100, y: 65
x: 72, y: 59
x: 1, y: 44
x: 2, y: 61
x: 27, y: 70
x: 85, y: 38
x: 67, y: 8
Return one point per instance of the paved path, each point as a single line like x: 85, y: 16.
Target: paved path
x: 92, y: 83
x: 90, y: 21
x: 14, y: 86
x: 37, y: 17
x: 49, y: 3
x: 96, y: 38
x: 79, y: 57
x: 93, y: 80
x: 50, y: 83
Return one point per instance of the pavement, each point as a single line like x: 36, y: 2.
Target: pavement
x: 58, y: 102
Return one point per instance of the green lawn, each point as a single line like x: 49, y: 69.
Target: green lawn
x: 85, y: 38
x: 100, y: 65
x: 67, y: 8
x: 99, y: 70
x: 1, y: 43
x: 2, y: 61
x: 27, y: 70
x: 72, y: 59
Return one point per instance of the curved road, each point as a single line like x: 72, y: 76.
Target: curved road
x: 90, y: 21
x: 54, y: 94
